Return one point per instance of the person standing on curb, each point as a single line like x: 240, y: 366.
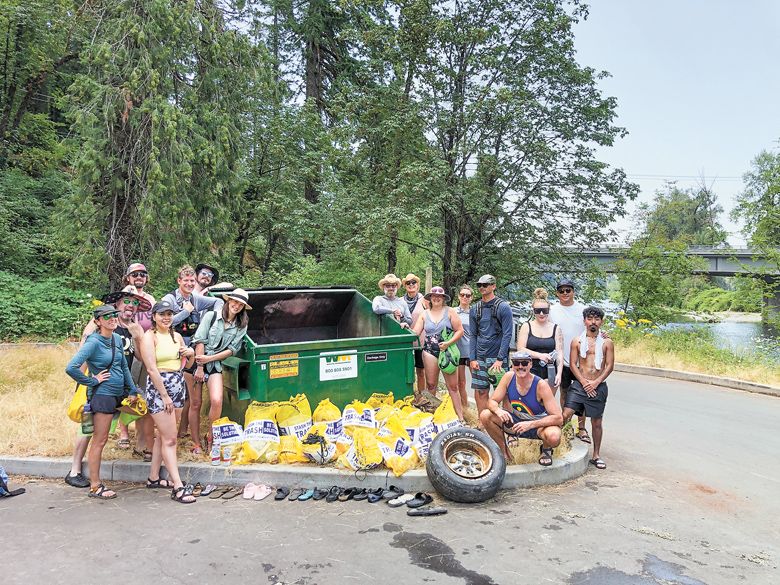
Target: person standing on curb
x: 417, y: 304
x: 490, y: 320
x: 464, y: 343
x: 567, y: 314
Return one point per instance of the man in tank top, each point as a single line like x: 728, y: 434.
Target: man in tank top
x: 523, y: 406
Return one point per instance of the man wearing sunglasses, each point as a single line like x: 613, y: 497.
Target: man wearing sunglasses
x: 490, y: 322
x: 523, y: 406
x: 567, y: 314
x: 206, y: 278
x: 417, y: 305
x: 136, y: 279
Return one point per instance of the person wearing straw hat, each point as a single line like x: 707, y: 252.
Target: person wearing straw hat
x: 417, y: 304
x: 218, y: 337
x: 436, y: 323
x: 389, y: 303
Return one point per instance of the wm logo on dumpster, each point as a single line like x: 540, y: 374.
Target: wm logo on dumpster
x: 334, y: 359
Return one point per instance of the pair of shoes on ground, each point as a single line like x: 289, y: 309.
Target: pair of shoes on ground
x: 256, y: 492
x: 146, y: 455
x: 418, y: 504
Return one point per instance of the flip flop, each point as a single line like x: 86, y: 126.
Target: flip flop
x: 282, y: 493
x: 347, y: 494
x: 319, y: 494
x: 432, y: 511
x: 20, y: 491
x: 420, y: 499
x: 232, y: 493
x: 375, y: 495
x: 295, y: 494
x: 333, y: 494
x: 263, y: 491
x: 307, y: 495
x: 400, y: 500
x: 598, y: 463
x: 207, y: 490
x: 217, y: 493
x: 392, y: 492
x: 250, y: 490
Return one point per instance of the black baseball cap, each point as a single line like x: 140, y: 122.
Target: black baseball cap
x: 162, y: 306
x: 565, y: 282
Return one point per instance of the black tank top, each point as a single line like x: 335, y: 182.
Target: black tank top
x: 540, y: 344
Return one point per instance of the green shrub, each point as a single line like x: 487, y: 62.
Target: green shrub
x: 44, y: 310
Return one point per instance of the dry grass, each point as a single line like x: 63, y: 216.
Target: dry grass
x: 527, y: 451
x: 644, y: 353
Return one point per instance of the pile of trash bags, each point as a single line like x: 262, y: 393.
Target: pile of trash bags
x: 380, y: 431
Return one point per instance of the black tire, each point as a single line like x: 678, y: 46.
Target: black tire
x: 475, y: 484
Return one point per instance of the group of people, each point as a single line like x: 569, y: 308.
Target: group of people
x: 165, y: 350
x: 559, y: 348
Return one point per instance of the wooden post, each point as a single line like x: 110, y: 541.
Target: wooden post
x: 428, y: 279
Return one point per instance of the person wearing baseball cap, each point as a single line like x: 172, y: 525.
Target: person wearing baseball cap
x: 534, y: 412
x: 491, y: 323
x: 136, y: 279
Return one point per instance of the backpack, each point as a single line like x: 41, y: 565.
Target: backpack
x: 189, y: 326
x: 493, y: 310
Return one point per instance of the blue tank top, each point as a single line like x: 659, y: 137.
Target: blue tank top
x: 528, y: 403
x: 432, y: 328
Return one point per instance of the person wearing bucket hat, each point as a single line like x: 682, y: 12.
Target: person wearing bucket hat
x: 389, y: 303
x: 207, y: 278
x: 218, y: 337
x: 491, y: 324
x: 417, y: 304
x: 106, y: 384
x: 523, y: 405
x: 442, y: 329
x: 135, y: 280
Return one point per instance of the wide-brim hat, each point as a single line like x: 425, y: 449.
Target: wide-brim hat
x: 215, y: 278
x: 437, y: 290
x: 112, y: 298
x: 411, y: 276
x: 240, y: 295
x: 389, y: 279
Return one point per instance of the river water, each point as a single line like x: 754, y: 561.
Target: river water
x: 738, y: 336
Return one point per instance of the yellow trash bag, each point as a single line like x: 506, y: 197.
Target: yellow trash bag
x: 377, y: 399
x: 444, y: 416
x: 396, y: 447
x: 230, y: 437
x: 328, y: 413
x: 385, y: 411
x: 408, y: 401
x: 294, y: 419
x: 364, y: 453
x: 344, y: 442
x: 301, y: 402
x: 316, y: 445
x: 357, y: 414
x: 76, y: 406
x: 261, y: 435
x: 419, y: 425
x: 291, y: 450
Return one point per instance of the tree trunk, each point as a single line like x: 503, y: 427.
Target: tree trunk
x: 392, y: 251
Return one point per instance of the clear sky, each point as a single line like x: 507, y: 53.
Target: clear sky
x: 698, y: 88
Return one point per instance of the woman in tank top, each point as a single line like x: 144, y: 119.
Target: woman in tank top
x: 433, y: 322
x: 164, y: 354
x: 540, y: 338
x: 464, y: 306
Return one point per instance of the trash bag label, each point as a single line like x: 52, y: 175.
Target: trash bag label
x: 261, y: 430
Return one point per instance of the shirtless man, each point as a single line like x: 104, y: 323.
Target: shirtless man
x: 591, y: 359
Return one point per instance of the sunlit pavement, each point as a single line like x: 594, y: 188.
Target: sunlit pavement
x: 689, y: 497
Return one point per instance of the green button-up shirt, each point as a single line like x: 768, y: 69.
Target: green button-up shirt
x: 217, y: 336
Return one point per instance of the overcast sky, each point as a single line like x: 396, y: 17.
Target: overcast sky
x: 698, y: 88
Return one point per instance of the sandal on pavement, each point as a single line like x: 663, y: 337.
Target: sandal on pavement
x: 429, y: 511
x: 307, y: 495
x: 205, y: 491
x: 197, y: 490
x: 152, y: 484
x: 392, y: 492
x: 375, y: 495
x: 546, y: 457
x: 282, y: 493
x: 360, y: 494
x: 101, y: 492
x: 218, y: 493
x: 319, y: 494
x: 295, y: 494
x: 420, y: 499
x: 232, y: 493
x: 123, y: 444
x: 583, y: 436
x: 400, y: 500
x: 263, y: 491
x: 333, y: 494
x: 180, y: 493
x: 250, y: 490
x: 598, y: 463
x: 347, y: 494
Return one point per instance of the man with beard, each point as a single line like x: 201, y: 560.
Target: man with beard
x: 417, y: 304
x: 389, y: 304
x: 136, y: 279
x: 591, y: 359
x: 206, y: 278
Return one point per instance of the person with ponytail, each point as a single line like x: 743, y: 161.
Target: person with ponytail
x: 540, y: 337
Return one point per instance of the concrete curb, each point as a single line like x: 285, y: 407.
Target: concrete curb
x: 732, y: 383
x: 571, y: 466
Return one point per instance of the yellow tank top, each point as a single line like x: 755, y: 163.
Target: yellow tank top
x: 167, y: 353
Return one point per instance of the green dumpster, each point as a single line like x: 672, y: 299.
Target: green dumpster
x: 324, y: 342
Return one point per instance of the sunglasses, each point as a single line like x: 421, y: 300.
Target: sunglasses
x: 541, y: 310
x: 565, y: 291
x: 208, y: 273
x: 134, y: 302
x: 410, y: 282
x: 139, y: 274
x: 110, y: 316
x: 523, y: 363
x: 483, y: 284
x: 466, y: 295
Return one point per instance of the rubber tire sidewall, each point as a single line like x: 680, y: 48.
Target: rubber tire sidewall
x: 457, y: 488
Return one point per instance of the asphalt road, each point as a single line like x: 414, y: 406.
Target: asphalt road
x: 689, y: 498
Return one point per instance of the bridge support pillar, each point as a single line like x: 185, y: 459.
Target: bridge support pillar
x: 770, y: 312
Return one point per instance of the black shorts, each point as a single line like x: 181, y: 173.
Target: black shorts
x: 463, y: 362
x: 418, y: 361
x: 566, y: 377
x: 105, y: 404
x: 579, y: 401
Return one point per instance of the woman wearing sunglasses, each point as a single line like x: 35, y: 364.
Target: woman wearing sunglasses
x: 542, y: 339
x: 464, y: 306
x: 102, y: 352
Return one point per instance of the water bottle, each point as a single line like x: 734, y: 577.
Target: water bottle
x: 216, y: 458
x: 87, y: 424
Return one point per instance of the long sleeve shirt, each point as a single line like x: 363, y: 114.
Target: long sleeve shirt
x: 96, y: 352
x: 384, y: 306
x: 200, y: 305
x: 488, y: 338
